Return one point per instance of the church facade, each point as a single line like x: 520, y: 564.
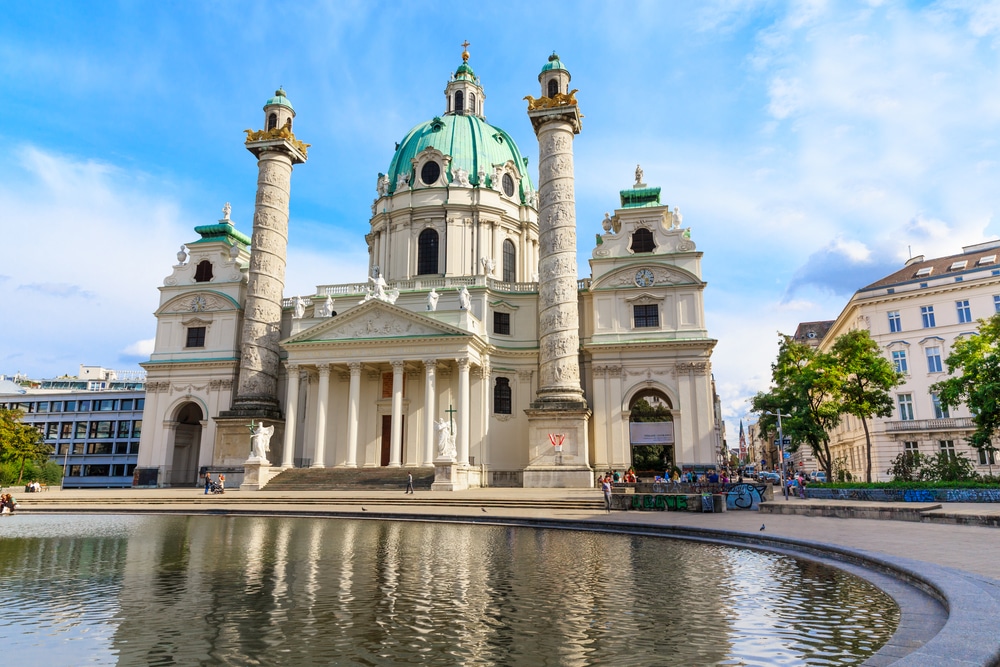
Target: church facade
x: 472, y: 342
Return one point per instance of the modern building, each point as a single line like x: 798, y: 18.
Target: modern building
x: 472, y: 341
x: 915, y: 315
x: 93, y: 422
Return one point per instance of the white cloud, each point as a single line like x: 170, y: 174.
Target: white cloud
x: 140, y: 348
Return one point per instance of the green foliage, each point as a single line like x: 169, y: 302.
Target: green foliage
x: 942, y: 467
x: 20, y: 443
x: 975, y: 363
x: 867, y: 378
x: 48, y: 472
x: 806, y: 385
x: 906, y: 466
x: 649, y: 457
x: 642, y: 411
x: 896, y: 484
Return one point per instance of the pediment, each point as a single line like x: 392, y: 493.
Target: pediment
x: 375, y: 319
x: 663, y: 276
x: 200, y: 301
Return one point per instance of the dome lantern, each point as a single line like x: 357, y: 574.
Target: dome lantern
x: 463, y: 93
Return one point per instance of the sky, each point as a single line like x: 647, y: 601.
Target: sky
x: 811, y: 146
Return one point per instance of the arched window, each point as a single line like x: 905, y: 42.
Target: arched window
x: 509, y: 262
x: 553, y: 87
x: 272, y: 121
x: 472, y: 103
x: 501, y: 397
x: 427, y: 252
x: 642, y: 240
x: 204, y: 272
x: 459, y: 101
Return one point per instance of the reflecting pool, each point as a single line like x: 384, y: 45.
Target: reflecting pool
x: 168, y: 590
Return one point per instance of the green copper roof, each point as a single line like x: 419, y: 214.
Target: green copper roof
x: 465, y: 72
x: 279, y: 99
x: 220, y: 231
x: 640, y: 197
x: 554, y: 63
x: 472, y: 143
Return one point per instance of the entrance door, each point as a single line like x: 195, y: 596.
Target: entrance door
x: 387, y: 437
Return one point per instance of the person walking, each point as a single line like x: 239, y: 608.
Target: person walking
x: 409, y: 483
x: 208, y: 482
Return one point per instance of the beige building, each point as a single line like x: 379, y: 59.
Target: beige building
x: 465, y: 342
x: 915, y: 315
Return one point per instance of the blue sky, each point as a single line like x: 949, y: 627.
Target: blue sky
x: 811, y: 146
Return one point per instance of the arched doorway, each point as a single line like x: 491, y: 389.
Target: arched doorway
x: 651, y: 432
x: 187, y: 446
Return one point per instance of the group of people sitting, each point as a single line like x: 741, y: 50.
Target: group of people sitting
x: 616, y: 477
x: 7, y: 504
x: 32, y: 487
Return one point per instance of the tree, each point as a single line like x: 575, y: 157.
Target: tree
x: 649, y: 457
x: 806, y: 387
x: 975, y: 363
x: 867, y: 379
x: 19, y: 442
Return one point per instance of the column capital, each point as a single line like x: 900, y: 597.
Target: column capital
x: 430, y: 364
x: 397, y: 366
x: 463, y: 363
x: 324, y: 369
x: 354, y: 367
x: 292, y: 366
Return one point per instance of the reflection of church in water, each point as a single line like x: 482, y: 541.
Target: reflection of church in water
x: 473, y: 334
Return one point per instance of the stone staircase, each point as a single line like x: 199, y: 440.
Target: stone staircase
x: 359, y: 479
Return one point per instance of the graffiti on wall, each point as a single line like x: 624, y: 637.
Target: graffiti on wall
x: 745, y: 496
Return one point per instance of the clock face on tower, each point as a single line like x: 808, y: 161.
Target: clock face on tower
x: 644, y: 278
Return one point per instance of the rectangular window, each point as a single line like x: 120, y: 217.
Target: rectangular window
x: 118, y: 470
x: 899, y: 360
x: 927, y: 315
x: 136, y: 428
x: 123, y: 429
x: 133, y: 448
x: 99, y: 470
x: 75, y: 470
x: 987, y: 458
x: 51, y: 430
x: 99, y: 448
x: 70, y: 406
x: 910, y: 447
x: 905, y: 406
x: 84, y: 406
x: 105, y: 405
x: 933, y: 359
x: 140, y: 403
x: 940, y: 411
x: 130, y: 469
x: 79, y: 448
x: 501, y: 323
x: 66, y: 430
x: 62, y: 449
x: 195, y: 337
x: 646, y: 316
x: 996, y: 303
x: 895, y: 325
x: 126, y: 404
x: 81, y: 430
x: 43, y: 406
x: 100, y: 429
x: 948, y: 448
x: 964, y: 312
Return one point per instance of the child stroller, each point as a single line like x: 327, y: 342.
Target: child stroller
x: 216, y: 487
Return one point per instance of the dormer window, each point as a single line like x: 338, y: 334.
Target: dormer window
x: 272, y: 121
x: 642, y: 240
x: 204, y: 272
x: 553, y: 87
x: 989, y: 259
x: 955, y: 266
x: 926, y: 271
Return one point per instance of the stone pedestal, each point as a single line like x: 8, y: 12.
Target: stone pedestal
x: 549, y: 468
x: 256, y: 474
x: 448, y: 476
x: 232, y: 441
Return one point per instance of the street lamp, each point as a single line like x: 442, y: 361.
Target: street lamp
x: 781, y: 450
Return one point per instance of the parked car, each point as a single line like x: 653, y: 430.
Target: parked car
x: 772, y: 477
x: 818, y: 476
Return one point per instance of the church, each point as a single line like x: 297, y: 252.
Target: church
x: 472, y: 347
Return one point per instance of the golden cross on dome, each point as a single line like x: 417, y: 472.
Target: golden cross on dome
x: 465, y: 51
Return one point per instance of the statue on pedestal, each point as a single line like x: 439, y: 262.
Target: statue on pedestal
x: 446, y: 440
x: 260, y: 440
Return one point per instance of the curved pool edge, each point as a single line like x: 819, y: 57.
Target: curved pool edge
x: 971, y: 602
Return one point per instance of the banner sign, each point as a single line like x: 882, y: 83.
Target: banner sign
x: 557, y: 440
x: 651, y: 433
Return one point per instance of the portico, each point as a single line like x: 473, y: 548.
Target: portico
x: 367, y: 387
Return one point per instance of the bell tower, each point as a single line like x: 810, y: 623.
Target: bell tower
x: 276, y: 150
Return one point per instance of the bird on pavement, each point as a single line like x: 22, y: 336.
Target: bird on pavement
x: 484, y: 510
x: 363, y: 509
x: 762, y: 527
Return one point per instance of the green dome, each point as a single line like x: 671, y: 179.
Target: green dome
x: 554, y: 63
x: 469, y: 140
x: 279, y: 99
x: 465, y: 72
